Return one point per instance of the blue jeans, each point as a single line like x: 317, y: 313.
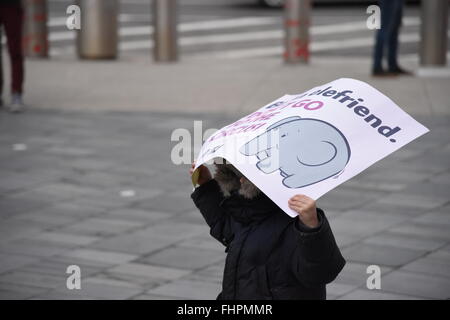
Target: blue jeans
x: 387, y: 35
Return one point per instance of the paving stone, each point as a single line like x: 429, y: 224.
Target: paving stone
x: 32, y: 279
x: 100, y: 227
x: 184, y: 258
x: 417, y: 284
x: 58, y: 295
x: 104, y: 290
x: 107, y: 257
x: 376, y: 185
x: 11, y: 295
x: 423, y: 231
x: 15, y: 230
x: 134, y: 243
x: 14, y: 261
x: 429, y: 266
x: 61, y: 191
x: 64, y: 238
x: 364, y: 294
x: 31, y: 248
x: 10, y: 291
x: 434, y: 218
x: 394, y: 209
x: 46, y: 218
x: 58, y: 268
x: 130, y: 214
x: 104, y: 202
x: 167, y: 203
x: 149, y: 271
x: 69, y: 151
x: 77, y: 211
x: 207, y: 278
x: 398, y: 176
x: 176, y: 230
x: 89, y: 164
x: 425, y: 202
x: 146, y: 283
x: 363, y: 223
x: 337, y: 289
x: 189, y: 290
x: 404, y: 241
x: 346, y: 199
x: 153, y: 297
x: 16, y: 204
x: 381, y: 255
x: 203, y: 242
x: 90, y: 266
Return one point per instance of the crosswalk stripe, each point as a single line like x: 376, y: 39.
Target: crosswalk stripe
x: 123, y: 17
x: 182, y: 27
x: 225, y: 38
x: 255, y: 36
x: 233, y: 23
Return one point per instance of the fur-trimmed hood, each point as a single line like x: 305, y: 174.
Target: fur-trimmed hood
x: 229, y: 180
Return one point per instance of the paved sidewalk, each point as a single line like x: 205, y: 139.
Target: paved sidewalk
x: 231, y: 86
x: 84, y: 181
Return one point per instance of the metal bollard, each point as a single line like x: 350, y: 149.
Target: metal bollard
x: 165, y: 30
x: 98, y: 36
x: 296, y: 25
x: 433, y: 32
x: 35, y: 33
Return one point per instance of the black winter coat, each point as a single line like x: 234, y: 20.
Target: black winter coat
x: 270, y: 255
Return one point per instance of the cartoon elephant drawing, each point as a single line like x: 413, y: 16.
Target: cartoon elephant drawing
x: 306, y: 151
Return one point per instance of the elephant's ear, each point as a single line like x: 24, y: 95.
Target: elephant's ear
x: 283, y: 121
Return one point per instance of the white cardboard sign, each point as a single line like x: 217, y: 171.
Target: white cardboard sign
x: 311, y: 142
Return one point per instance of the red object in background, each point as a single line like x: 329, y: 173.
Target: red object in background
x: 35, y: 35
x: 11, y: 19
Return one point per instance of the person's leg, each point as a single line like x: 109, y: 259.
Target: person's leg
x: 381, y: 36
x: 392, y: 43
x: 1, y: 60
x: 13, y: 24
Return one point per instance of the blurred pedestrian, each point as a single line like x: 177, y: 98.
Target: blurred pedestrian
x: 11, y: 19
x: 270, y: 255
x: 387, y: 39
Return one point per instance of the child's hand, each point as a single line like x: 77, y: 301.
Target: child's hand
x: 306, y: 209
x: 204, y: 174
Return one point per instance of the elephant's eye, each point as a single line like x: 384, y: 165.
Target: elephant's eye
x: 284, y: 135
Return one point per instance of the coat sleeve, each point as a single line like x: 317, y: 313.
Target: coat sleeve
x: 317, y: 259
x: 207, y: 199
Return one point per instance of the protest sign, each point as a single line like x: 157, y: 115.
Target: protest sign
x: 311, y: 142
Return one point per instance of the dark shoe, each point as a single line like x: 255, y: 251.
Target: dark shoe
x: 400, y: 72
x: 382, y: 74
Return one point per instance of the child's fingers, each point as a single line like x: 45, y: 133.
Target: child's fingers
x: 299, y: 197
x: 301, y: 201
x: 302, y: 197
x: 297, y: 208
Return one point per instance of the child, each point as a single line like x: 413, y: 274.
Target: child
x: 269, y: 254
